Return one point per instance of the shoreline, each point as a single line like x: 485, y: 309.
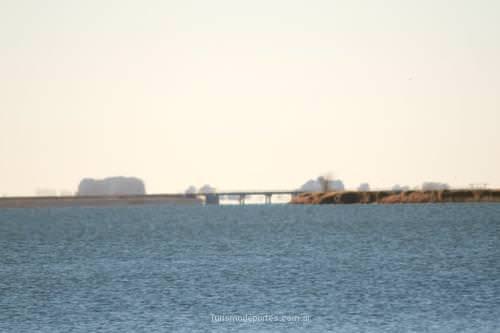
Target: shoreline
x: 96, y: 201
x: 394, y: 197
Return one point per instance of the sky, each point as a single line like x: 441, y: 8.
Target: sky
x: 248, y: 94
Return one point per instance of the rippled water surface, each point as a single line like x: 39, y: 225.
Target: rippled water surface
x: 360, y: 268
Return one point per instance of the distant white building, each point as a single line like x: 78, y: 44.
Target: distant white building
x: 364, y: 187
x: 434, y: 186
x: 315, y: 185
x: 111, y: 186
x: 400, y: 188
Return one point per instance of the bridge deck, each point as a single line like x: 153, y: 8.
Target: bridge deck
x: 255, y: 193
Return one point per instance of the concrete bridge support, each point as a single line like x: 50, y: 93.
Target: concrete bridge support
x: 242, y: 199
x: 212, y: 199
x: 268, y: 199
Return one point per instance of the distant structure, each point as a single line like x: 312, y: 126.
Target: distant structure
x: 400, y: 188
x: 364, y: 187
x: 206, y: 191
x: 479, y: 186
x: 211, y: 198
x: 434, y: 186
x: 111, y: 186
x: 319, y: 185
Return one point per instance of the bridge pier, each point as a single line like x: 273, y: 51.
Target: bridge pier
x: 268, y: 198
x: 212, y: 199
x: 242, y: 199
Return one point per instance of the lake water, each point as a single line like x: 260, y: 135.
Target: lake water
x: 280, y: 268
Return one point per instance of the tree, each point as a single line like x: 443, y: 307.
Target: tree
x: 206, y: 189
x: 191, y: 190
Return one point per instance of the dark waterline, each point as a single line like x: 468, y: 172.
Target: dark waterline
x: 361, y: 268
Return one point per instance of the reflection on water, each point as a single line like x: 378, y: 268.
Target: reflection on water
x: 255, y: 200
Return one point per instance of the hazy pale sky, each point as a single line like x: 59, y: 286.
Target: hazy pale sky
x: 248, y: 94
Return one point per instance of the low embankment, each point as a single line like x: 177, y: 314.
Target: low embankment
x: 390, y: 197
x: 29, y: 202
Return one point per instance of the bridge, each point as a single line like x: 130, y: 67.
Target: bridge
x: 128, y: 199
x: 214, y: 198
